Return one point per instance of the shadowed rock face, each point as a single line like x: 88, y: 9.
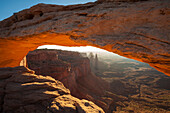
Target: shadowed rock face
x: 137, y: 30
x: 73, y: 71
x: 22, y: 91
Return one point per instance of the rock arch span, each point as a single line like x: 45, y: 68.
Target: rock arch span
x: 137, y: 30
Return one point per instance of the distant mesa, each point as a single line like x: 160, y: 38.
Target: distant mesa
x: 136, y: 29
x: 73, y: 70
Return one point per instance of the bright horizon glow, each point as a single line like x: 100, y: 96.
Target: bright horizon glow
x: 78, y: 49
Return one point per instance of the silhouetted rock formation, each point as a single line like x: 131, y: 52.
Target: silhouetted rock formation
x: 72, y: 70
x: 22, y: 91
x: 96, y: 63
x: 137, y: 30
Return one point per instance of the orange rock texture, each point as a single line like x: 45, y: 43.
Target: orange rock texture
x: 73, y: 71
x: 22, y: 91
x: 137, y: 30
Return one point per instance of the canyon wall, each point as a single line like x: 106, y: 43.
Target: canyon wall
x: 72, y: 70
x: 137, y: 30
x: 22, y: 91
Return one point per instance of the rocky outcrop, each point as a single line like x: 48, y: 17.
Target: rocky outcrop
x: 72, y: 70
x: 137, y: 30
x: 22, y: 91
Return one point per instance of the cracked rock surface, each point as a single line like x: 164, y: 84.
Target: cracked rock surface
x: 132, y: 28
x: 24, y: 92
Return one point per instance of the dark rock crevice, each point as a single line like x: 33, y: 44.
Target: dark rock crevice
x: 24, y: 92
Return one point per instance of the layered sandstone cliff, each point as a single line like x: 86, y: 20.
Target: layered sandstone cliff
x: 72, y: 70
x: 22, y: 91
x: 137, y: 30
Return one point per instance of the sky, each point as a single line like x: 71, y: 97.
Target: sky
x: 8, y: 7
x: 79, y: 49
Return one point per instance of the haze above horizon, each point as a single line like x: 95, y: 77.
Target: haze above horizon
x: 78, y: 49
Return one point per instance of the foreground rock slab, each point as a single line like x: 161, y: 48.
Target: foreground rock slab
x: 73, y: 70
x: 21, y: 91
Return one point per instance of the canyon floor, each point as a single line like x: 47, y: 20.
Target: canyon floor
x: 114, y: 83
x: 146, y: 90
x: 72, y: 82
x: 56, y: 81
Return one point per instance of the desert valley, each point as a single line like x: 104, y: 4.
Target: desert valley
x: 129, y: 72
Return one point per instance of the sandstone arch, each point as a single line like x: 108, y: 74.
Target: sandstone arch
x: 138, y: 30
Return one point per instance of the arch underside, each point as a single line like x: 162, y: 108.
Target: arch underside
x: 137, y: 30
